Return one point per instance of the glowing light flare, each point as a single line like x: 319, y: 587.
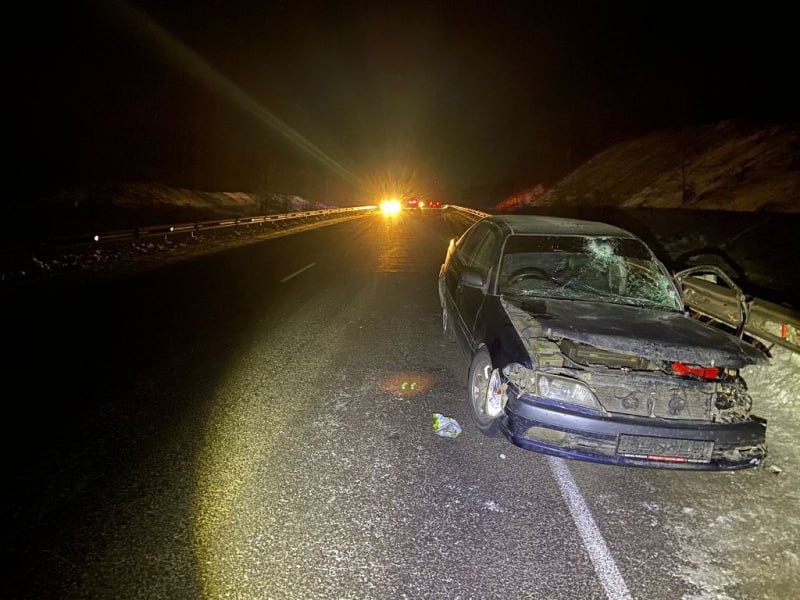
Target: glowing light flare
x: 400, y: 181
x: 391, y: 207
x: 193, y: 63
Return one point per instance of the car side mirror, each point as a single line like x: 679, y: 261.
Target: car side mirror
x: 471, y: 278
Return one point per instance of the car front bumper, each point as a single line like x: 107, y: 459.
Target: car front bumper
x: 633, y: 441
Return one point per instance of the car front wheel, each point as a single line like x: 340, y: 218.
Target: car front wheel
x: 480, y: 374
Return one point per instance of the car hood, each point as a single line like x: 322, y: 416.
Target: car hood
x: 652, y: 334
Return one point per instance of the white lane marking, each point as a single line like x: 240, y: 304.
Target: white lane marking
x: 603, y: 562
x: 296, y: 273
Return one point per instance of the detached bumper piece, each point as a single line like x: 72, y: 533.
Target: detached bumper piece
x: 634, y: 441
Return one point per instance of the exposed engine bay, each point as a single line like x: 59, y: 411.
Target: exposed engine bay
x: 635, y: 385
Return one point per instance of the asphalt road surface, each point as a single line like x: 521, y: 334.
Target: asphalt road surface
x: 257, y: 423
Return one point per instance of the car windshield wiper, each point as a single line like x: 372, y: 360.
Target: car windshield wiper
x: 645, y: 302
x: 526, y: 293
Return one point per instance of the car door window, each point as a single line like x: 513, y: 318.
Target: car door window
x: 479, y: 249
x: 467, y: 250
x: 485, y: 252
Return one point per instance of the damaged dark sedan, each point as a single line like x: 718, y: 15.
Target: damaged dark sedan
x: 579, y: 346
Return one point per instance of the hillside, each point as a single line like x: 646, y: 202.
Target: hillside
x: 727, y: 166
x: 103, y: 207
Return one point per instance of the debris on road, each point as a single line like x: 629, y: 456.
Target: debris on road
x: 445, y: 426
x: 775, y: 469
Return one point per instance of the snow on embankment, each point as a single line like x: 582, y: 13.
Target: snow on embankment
x: 159, y: 196
x: 775, y: 389
x: 739, y: 539
x: 105, y: 207
x: 778, y: 380
x: 726, y: 166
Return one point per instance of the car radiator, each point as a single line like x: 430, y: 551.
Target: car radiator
x: 649, y: 396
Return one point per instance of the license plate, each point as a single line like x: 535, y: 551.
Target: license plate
x: 665, y: 449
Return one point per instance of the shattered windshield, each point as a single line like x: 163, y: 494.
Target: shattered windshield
x: 598, y: 268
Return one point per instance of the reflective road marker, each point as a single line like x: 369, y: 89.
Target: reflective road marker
x: 603, y: 562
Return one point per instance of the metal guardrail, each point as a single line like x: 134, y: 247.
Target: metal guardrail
x: 164, y: 231
x: 469, y: 211
x: 764, y: 320
x: 197, y: 227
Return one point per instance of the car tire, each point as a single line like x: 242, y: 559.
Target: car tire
x: 477, y: 391
x: 447, y: 326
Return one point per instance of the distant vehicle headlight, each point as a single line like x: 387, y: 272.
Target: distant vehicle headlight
x: 565, y: 390
x: 391, y: 208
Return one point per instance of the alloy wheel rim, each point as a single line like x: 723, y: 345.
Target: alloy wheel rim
x: 480, y: 386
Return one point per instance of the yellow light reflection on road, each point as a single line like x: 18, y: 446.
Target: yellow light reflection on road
x: 230, y: 458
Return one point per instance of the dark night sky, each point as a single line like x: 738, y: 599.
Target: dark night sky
x: 436, y: 98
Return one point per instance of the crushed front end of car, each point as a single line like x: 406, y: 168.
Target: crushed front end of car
x: 602, y: 387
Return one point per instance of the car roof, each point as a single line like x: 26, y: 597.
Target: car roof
x: 538, y: 225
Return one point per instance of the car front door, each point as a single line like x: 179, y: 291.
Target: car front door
x: 471, y: 263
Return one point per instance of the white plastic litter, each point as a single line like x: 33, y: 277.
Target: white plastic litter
x: 445, y: 426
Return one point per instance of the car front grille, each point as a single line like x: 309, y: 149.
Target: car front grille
x: 655, y: 396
